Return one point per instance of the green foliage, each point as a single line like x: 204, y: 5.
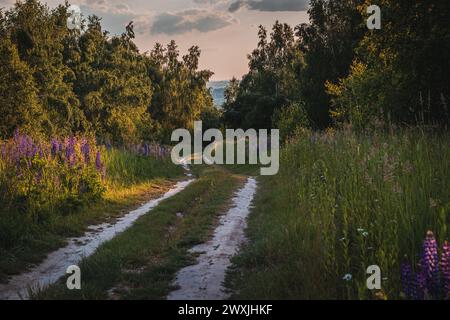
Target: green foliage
x: 294, y: 66
x: 291, y: 118
x: 411, y: 56
x: 270, y: 83
x: 39, y: 35
x: 19, y: 105
x: 340, y: 203
x: 328, y: 43
x: 180, y: 89
x: 353, y: 100
x: 56, y: 81
x: 211, y: 118
x: 344, y: 72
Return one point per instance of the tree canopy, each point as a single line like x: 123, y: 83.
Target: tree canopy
x: 338, y: 70
x: 58, y: 81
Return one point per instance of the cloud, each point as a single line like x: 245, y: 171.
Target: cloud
x: 235, y: 6
x: 208, y: 1
x: 190, y: 20
x: 270, y: 5
x: 115, y: 16
x: 6, y: 3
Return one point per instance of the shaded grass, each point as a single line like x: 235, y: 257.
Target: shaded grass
x: 142, y: 261
x: 131, y: 180
x: 340, y: 203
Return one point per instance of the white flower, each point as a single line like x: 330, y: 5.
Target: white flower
x: 347, y: 277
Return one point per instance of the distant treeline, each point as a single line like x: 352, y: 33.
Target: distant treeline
x: 335, y: 70
x: 57, y: 81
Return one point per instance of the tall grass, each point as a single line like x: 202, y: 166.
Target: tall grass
x: 125, y: 168
x: 340, y: 203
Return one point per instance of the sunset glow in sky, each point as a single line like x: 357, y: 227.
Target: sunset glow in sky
x: 225, y: 30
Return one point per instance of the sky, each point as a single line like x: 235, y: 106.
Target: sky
x: 225, y: 30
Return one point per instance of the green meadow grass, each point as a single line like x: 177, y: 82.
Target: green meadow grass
x: 141, y: 262
x: 340, y: 203
x: 130, y: 180
x: 125, y: 169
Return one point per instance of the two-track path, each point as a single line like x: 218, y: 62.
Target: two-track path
x: 204, y: 280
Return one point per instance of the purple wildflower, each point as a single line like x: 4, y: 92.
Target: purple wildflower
x: 146, y: 150
x: 418, y: 289
x: 4, y: 151
x: 98, y: 161
x: 407, y: 279
x: 39, y: 177
x: 445, y: 268
x: 31, y: 148
x: 86, y: 150
x: 70, y: 150
x: 56, y: 148
x: 430, y: 264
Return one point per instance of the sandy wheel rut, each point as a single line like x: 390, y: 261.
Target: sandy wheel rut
x: 204, y: 280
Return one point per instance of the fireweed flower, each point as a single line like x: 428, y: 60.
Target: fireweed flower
x: 430, y: 264
x: 445, y: 269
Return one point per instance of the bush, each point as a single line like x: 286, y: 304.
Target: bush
x: 290, y: 118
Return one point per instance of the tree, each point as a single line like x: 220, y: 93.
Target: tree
x: 19, y: 105
x: 39, y: 34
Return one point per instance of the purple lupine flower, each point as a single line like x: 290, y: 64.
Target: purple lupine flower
x: 55, y: 149
x: 39, y: 177
x: 16, y: 133
x: 86, y: 150
x: 31, y: 148
x: 445, y: 269
x: 70, y: 150
x: 98, y: 161
x: 34, y: 150
x: 430, y: 264
x: 418, y: 288
x: 40, y: 152
x: 146, y: 150
x: 407, y: 279
x: 4, y: 151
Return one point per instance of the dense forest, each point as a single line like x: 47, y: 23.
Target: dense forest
x: 335, y: 70
x: 54, y: 80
